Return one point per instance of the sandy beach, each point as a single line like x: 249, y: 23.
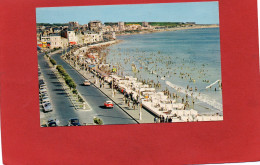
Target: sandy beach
x: 172, y: 29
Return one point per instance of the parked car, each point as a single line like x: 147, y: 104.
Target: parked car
x: 43, y: 95
x: 52, y: 123
x: 41, y: 81
x: 86, y: 83
x: 74, y: 122
x: 43, y: 90
x: 47, y: 107
x: 45, y: 99
x: 43, y: 87
x: 109, y: 104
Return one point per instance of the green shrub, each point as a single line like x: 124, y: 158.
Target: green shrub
x: 72, y: 84
x: 80, y: 99
x: 74, y: 91
x: 68, y: 81
x: 98, y: 121
x: 53, y: 61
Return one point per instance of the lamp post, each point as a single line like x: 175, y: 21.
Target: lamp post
x: 84, y: 65
x: 140, y: 109
x: 70, y: 53
x: 76, y: 62
x: 96, y: 72
x: 83, y: 41
x: 113, y: 87
x: 140, y: 104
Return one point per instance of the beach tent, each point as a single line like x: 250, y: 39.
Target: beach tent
x: 180, y: 112
x: 175, y: 119
x: 179, y: 106
x: 193, y: 112
x: 220, y: 118
x: 186, y: 112
x: 199, y: 118
x: 206, y: 118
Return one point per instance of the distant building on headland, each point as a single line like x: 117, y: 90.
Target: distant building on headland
x: 191, y: 23
x: 145, y: 24
x: 73, y: 25
x: 121, y: 26
x: 95, y: 25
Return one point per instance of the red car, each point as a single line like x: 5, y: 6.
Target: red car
x: 109, y: 104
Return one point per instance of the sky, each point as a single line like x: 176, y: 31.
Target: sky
x: 199, y: 12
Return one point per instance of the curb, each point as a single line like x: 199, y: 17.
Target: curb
x: 57, y: 74
x: 103, y: 93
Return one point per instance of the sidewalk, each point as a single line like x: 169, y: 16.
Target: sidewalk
x: 118, y: 99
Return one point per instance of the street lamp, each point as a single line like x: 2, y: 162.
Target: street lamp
x: 84, y: 65
x: 96, y: 72
x: 70, y: 53
x: 140, y: 104
x: 83, y: 41
x: 140, y: 109
x: 113, y: 87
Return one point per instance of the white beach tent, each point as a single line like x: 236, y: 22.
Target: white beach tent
x: 193, y: 112
x: 199, y: 118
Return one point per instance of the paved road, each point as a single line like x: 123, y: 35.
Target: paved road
x: 63, y: 108
x: 95, y: 98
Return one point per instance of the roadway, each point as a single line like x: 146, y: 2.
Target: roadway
x: 95, y: 99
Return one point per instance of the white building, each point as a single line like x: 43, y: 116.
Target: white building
x: 55, y: 41
x: 121, y: 26
x: 91, y: 37
x: 72, y: 37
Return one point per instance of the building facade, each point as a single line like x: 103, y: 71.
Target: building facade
x: 72, y: 39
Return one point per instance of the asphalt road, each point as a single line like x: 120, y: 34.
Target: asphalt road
x: 95, y: 99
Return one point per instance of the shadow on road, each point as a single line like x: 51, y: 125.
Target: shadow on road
x: 62, y: 93
x: 115, y: 117
x: 58, y: 90
x: 104, y: 107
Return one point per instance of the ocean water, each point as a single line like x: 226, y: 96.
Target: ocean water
x: 177, y: 60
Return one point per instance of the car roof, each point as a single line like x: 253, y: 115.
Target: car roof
x: 74, y: 119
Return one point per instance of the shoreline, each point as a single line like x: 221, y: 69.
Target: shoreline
x: 202, y: 109
x: 171, y: 29
x: 109, y: 43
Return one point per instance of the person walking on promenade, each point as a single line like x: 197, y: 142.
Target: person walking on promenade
x: 163, y: 119
x: 134, y: 104
x: 155, y: 119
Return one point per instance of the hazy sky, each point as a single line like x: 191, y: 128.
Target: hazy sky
x: 199, y: 12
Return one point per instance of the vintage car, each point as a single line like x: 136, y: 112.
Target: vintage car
x: 109, y: 104
x: 74, y: 122
x: 86, y: 83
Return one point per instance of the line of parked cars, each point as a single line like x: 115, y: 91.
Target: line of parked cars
x: 43, y: 94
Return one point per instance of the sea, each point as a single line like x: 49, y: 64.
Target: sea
x: 185, y: 62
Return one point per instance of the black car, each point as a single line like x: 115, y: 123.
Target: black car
x: 74, y: 122
x: 52, y: 123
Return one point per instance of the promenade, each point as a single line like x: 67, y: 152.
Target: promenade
x: 146, y: 117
